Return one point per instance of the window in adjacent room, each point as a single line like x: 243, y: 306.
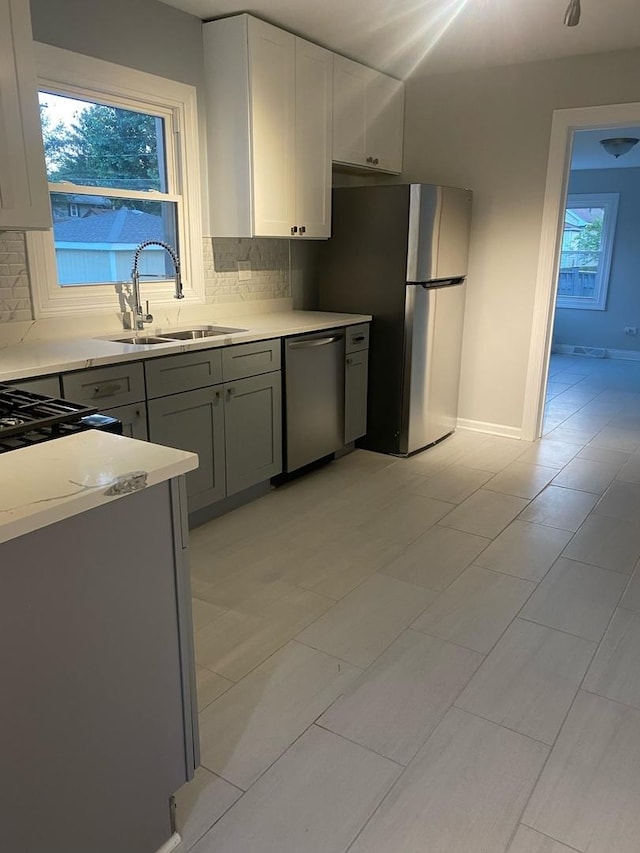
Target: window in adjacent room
x: 122, y: 164
x: 587, y: 244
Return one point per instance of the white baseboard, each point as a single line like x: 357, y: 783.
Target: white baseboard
x: 569, y: 349
x: 493, y: 429
x: 173, y: 845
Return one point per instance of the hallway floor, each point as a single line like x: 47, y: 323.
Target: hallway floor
x: 431, y: 655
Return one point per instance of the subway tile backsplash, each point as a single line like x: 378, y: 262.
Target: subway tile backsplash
x: 265, y: 272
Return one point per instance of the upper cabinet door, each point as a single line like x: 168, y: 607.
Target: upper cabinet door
x: 350, y: 81
x: 272, y: 86
x: 24, y: 194
x: 314, y: 98
x: 385, y: 122
x: 368, y: 116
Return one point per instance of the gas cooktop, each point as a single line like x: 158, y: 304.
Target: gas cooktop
x: 27, y: 418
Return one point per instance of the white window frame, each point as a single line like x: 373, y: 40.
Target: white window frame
x: 609, y: 202
x: 82, y: 76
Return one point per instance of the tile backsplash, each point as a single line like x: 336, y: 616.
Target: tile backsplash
x: 15, y: 302
x: 265, y: 272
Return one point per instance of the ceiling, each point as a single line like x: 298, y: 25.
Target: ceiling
x: 587, y: 153
x: 403, y: 37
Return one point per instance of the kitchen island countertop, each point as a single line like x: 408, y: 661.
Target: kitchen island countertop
x: 54, y: 480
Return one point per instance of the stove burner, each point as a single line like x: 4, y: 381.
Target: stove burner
x: 5, y: 423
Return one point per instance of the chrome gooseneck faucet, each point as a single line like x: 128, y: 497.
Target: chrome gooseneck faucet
x: 141, y: 317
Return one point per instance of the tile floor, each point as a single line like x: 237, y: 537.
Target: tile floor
x: 431, y: 655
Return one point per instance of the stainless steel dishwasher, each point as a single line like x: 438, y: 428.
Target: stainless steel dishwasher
x: 314, y: 389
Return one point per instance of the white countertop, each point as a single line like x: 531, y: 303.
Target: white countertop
x: 37, y: 358
x: 48, y: 482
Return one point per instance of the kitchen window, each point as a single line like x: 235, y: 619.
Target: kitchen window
x: 122, y: 164
x: 585, y: 255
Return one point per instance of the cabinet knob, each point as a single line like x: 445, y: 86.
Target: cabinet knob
x: 294, y: 229
x: 348, y: 361
x: 375, y: 161
x: 369, y: 159
x: 302, y: 229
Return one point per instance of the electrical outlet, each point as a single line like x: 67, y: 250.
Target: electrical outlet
x: 244, y: 270
x: 631, y: 330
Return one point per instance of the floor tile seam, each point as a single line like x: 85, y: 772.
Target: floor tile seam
x: 266, y: 769
x: 551, y: 748
x: 596, y: 647
x: 550, y: 837
x: 365, y: 669
x: 511, y: 621
x: 562, y: 556
x: 220, y: 816
x: 274, y: 652
x: 325, y: 728
x: 518, y: 577
x: 411, y: 630
x: 513, y: 495
x: 215, y: 672
x: 601, y: 641
x: 619, y: 702
x: 544, y: 743
x: 561, y: 630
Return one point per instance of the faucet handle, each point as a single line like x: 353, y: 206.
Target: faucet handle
x: 148, y: 318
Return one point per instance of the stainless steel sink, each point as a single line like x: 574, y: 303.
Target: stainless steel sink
x: 179, y: 335
x: 140, y: 340
x: 202, y: 332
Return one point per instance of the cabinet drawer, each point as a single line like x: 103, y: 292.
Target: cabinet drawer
x: 47, y: 385
x: 356, y: 338
x: 250, y: 359
x: 105, y: 387
x: 184, y: 372
x: 134, y: 420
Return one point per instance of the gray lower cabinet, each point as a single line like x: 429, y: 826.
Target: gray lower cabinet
x: 355, y: 395
x: 134, y: 420
x: 253, y: 430
x: 194, y: 420
x: 99, y: 726
x: 47, y: 385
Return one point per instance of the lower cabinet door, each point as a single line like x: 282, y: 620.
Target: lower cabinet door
x: 355, y: 395
x: 134, y: 420
x: 194, y: 420
x: 253, y: 430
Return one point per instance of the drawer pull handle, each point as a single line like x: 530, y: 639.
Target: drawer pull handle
x: 357, y: 338
x: 349, y: 362
x: 107, y: 390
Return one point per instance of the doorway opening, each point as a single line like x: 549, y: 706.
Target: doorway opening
x: 584, y: 292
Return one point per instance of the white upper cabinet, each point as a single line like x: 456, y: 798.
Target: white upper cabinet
x: 367, y: 118
x: 269, y: 109
x: 24, y: 194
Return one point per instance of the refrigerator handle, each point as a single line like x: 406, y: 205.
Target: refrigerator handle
x: 434, y: 285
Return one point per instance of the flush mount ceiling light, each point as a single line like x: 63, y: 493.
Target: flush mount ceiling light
x: 572, y: 15
x: 619, y: 145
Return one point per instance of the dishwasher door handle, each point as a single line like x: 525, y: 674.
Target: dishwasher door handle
x: 315, y: 342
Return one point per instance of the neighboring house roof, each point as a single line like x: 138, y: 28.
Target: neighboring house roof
x: 113, y: 226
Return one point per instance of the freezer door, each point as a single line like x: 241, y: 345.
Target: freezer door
x: 434, y: 319
x: 439, y: 223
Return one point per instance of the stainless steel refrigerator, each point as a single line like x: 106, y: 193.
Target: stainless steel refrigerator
x: 399, y: 252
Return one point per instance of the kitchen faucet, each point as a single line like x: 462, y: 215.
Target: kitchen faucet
x: 140, y: 317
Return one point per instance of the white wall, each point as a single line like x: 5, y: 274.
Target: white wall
x: 489, y: 130
x: 606, y: 328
